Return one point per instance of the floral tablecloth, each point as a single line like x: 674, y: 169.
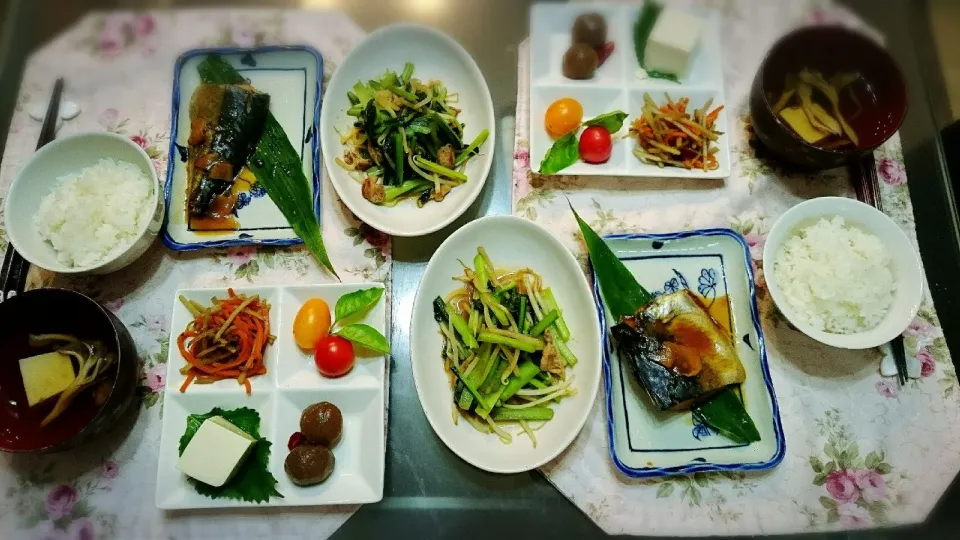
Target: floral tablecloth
x: 861, y: 450
x: 118, y: 69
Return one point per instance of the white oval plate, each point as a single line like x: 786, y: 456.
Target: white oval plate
x: 511, y: 242
x: 434, y: 56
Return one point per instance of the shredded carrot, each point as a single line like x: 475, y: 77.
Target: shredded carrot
x: 227, y: 341
x: 668, y: 135
x: 190, y: 377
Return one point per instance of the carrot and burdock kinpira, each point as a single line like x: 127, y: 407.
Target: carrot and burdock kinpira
x: 668, y: 135
x: 227, y: 340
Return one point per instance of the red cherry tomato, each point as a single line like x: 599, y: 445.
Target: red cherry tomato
x: 333, y: 356
x: 604, y: 51
x: 595, y: 144
x: 295, y: 440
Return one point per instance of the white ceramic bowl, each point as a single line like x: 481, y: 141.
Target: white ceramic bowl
x: 39, y: 176
x: 511, y: 242
x: 906, y: 267
x: 435, y: 56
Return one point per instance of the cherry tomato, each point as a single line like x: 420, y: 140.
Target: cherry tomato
x: 603, y: 52
x: 334, y: 356
x: 311, y: 323
x: 595, y: 144
x: 563, y: 116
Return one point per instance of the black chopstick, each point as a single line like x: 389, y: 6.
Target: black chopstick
x: 867, y: 185
x: 13, y: 274
x: 49, y: 130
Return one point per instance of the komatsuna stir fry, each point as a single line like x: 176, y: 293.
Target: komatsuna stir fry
x: 407, y: 140
x: 505, y: 348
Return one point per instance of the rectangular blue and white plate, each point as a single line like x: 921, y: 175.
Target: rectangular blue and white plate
x: 292, y: 76
x: 644, y: 442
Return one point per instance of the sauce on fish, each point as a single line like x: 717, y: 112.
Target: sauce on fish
x: 221, y: 216
x: 688, y: 343
x: 719, y: 310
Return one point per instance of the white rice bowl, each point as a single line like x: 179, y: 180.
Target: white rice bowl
x: 837, y: 278
x: 96, y: 214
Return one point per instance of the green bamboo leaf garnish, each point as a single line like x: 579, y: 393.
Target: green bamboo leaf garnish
x: 725, y: 413
x: 621, y: 291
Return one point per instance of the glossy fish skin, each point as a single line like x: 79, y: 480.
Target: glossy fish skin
x: 243, y: 115
x: 667, y: 336
x: 227, y: 122
x: 665, y: 388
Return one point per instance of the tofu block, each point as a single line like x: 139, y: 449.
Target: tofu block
x: 672, y: 43
x: 46, y: 375
x: 215, y: 452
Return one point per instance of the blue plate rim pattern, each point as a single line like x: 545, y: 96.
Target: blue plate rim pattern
x: 173, y: 153
x: 655, y: 472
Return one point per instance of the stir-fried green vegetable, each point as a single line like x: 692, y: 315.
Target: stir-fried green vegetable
x: 407, y: 141
x: 505, y: 346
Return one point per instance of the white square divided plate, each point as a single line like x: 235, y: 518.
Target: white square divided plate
x: 645, y: 442
x: 290, y: 385
x: 615, y: 86
x: 293, y: 77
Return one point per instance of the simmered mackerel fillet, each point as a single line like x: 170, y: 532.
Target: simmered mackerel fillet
x: 226, y: 123
x: 678, y: 353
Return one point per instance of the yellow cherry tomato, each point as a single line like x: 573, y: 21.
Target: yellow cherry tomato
x: 312, y: 323
x: 563, y: 116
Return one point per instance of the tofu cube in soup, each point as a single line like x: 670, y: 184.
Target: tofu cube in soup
x: 46, y: 375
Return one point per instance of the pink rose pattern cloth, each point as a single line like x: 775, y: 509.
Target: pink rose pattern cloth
x: 857, y: 443
x: 118, y: 68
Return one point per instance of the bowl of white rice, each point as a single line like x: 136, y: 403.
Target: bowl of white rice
x: 843, y: 273
x: 85, y: 204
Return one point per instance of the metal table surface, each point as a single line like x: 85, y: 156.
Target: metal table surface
x: 430, y: 492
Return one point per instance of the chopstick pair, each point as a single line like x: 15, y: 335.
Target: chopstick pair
x: 13, y: 273
x: 867, y: 186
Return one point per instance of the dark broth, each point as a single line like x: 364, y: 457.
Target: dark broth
x: 830, y: 50
x: 19, y: 423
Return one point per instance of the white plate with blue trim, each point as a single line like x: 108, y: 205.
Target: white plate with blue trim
x: 616, y: 86
x: 644, y: 442
x: 292, y: 76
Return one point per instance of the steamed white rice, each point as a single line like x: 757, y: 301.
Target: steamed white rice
x: 96, y: 214
x: 837, y: 277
